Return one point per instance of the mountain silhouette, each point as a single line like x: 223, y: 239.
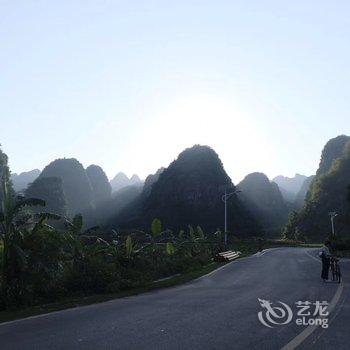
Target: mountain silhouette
x: 49, y: 189
x: 290, y: 186
x: 121, y: 180
x: 101, y: 187
x: 21, y: 181
x: 76, y: 184
x: 301, y: 196
x: 327, y: 193
x: 190, y: 191
x: 265, y: 202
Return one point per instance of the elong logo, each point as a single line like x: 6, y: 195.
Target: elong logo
x: 274, y: 315
x: 282, y: 314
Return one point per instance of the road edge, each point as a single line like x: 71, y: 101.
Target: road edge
x: 301, y: 337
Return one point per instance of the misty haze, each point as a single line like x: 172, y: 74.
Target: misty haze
x: 174, y: 175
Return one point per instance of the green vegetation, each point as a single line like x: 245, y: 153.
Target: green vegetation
x: 71, y: 302
x: 252, y: 246
x: 42, y: 264
x: 246, y: 247
x: 340, y: 246
x: 49, y: 257
x: 328, y: 193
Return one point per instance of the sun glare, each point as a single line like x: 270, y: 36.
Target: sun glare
x: 199, y: 119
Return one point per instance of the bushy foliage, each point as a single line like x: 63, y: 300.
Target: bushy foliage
x: 339, y: 243
x: 328, y: 193
x: 42, y: 264
x: 4, y: 173
x: 333, y: 149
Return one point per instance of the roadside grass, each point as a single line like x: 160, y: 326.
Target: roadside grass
x: 245, y: 247
x: 251, y: 247
x: 72, y: 302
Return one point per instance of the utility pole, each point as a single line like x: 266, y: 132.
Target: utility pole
x: 225, y: 197
x: 333, y: 214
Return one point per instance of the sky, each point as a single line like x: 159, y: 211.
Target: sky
x: 128, y: 85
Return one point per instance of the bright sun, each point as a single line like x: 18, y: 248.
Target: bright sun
x: 206, y: 120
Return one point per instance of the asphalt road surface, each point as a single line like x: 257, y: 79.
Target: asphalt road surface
x: 217, y: 311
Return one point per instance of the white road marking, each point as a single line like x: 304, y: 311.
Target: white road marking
x: 259, y: 254
x: 219, y: 268
x: 313, y: 257
x: 295, y: 342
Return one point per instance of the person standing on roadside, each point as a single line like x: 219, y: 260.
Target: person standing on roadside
x: 325, y: 255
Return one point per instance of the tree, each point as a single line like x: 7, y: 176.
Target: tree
x: 11, y: 221
x: 291, y: 226
x: 327, y: 193
x: 5, y: 173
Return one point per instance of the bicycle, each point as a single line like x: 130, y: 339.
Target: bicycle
x: 335, y: 268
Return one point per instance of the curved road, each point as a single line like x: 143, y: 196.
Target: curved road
x: 217, y: 311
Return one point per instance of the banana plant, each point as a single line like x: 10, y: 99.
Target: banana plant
x: 156, y: 228
x: 78, y: 238
x: 130, y: 247
x: 170, y: 249
x: 191, y: 243
x: 14, y: 257
x: 157, y: 237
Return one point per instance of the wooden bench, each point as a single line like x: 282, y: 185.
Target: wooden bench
x: 227, y: 256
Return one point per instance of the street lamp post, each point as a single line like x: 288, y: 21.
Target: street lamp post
x: 333, y: 214
x: 225, y: 197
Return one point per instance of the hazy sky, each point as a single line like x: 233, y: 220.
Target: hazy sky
x: 129, y: 84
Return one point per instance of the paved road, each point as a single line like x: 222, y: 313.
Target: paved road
x: 217, y: 311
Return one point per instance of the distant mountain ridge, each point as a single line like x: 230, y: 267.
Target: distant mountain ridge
x: 21, y: 181
x: 121, y: 180
x: 189, y: 191
x: 264, y: 200
x: 290, y: 186
x: 302, y: 194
